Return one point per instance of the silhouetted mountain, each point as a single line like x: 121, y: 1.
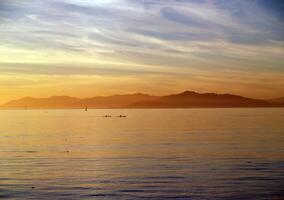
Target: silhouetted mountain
x: 51, y: 102
x: 190, y: 99
x: 57, y: 102
x: 116, y: 101
x: 279, y: 101
x: 187, y: 99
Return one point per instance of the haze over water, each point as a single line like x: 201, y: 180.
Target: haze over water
x: 151, y: 154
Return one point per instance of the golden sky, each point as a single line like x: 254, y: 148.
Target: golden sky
x: 85, y: 48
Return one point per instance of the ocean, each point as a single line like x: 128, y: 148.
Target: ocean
x: 196, y: 154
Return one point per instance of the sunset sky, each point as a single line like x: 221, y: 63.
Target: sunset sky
x: 85, y: 48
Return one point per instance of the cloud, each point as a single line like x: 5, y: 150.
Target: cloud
x: 57, y: 24
x: 72, y: 69
x: 128, y: 37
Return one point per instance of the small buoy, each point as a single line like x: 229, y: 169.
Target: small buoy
x: 33, y: 187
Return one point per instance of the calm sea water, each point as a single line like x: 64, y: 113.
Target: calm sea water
x: 151, y: 154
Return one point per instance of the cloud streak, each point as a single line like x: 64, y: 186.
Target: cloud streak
x: 147, y: 36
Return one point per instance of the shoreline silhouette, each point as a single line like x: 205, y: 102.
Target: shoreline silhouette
x: 186, y: 99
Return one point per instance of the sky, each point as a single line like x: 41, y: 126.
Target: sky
x: 85, y: 48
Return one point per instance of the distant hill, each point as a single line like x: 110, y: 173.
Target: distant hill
x: 277, y: 101
x: 187, y: 99
x: 116, y: 101
x: 190, y: 99
x: 66, y: 102
x: 44, y: 103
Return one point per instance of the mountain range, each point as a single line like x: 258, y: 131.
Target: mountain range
x: 186, y: 99
x: 277, y: 101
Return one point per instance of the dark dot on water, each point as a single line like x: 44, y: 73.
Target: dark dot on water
x: 33, y: 187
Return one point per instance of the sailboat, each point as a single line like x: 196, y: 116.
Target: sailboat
x: 86, y: 108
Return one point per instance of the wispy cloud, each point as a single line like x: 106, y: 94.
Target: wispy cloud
x: 141, y: 37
